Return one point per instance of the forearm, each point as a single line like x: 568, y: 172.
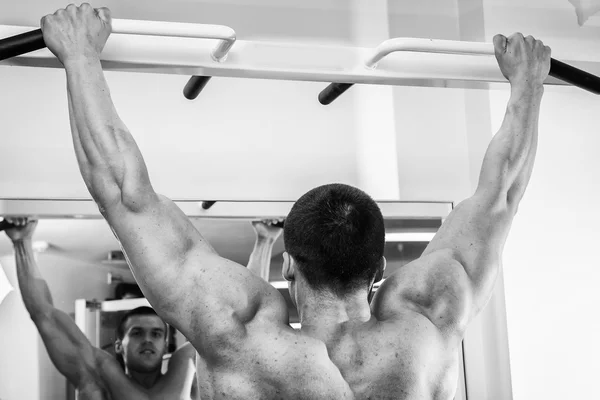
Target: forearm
x: 260, y: 259
x: 108, y: 156
x: 511, y: 153
x: 34, y: 290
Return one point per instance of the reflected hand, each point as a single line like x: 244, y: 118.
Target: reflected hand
x: 23, y: 228
x: 76, y: 32
x: 522, y: 60
x: 265, y: 229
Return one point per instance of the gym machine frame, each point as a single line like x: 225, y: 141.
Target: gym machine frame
x: 184, y: 48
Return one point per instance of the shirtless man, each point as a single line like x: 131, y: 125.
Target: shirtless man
x: 403, y: 345
x: 141, y: 341
x: 141, y: 335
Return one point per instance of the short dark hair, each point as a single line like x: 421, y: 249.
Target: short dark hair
x: 136, y: 311
x: 336, y: 235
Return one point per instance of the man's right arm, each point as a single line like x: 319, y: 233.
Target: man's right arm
x: 203, y: 295
x: 68, y: 348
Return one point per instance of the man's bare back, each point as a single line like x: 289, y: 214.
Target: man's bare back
x: 398, y: 353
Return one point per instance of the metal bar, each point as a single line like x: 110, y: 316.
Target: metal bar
x: 123, y: 304
x: 244, y: 210
x: 224, y: 34
x: 33, y: 40
x: 558, y: 70
x: 282, y: 61
x: 427, y: 46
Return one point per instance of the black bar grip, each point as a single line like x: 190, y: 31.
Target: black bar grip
x: 574, y: 76
x: 194, y: 86
x: 207, y: 204
x: 332, y: 92
x: 4, y: 225
x: 20, y: 44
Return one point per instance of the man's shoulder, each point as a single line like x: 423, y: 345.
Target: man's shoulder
x: 435, y: 286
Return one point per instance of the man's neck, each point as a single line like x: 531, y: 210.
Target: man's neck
x: 145, y: 379
x: 322, y: 315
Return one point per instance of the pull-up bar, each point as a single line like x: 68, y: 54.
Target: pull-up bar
x: 171, y: 48
x: 558, y: 69
x: 34, y: 40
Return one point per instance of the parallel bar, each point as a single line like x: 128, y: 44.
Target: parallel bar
x: 283, y: 61
x: 32, y: 40
x: 558, y: 70
x: 427, y: 46
x: 224, y: 34
x: 244, y: 210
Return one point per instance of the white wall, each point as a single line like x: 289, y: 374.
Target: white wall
x: 26, y: 371
x: 551, y: 266
x: 241, y: 139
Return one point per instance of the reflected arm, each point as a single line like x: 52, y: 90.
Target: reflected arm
x: 260, y: 259
x: 181, y: 373
x: 68, y: 348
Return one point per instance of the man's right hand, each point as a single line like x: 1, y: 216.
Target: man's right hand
x: 76, y: 32
x: 23, y: 228
x: 523, y: 61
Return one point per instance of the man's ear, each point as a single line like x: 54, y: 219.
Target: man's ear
x: 288, y: 267
x: 380, y: 270
x: 118, y: 346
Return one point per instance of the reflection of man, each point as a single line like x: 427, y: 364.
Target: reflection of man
x: 402, y: 345
x: 141, y: 342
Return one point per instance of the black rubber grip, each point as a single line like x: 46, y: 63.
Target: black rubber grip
x: 574, y: 76
x: 558, y: 69
x: 194, y: 86
x: 21, y: 44
x: 4, y: 225
x: 332, y: 92
x: 207, y: 204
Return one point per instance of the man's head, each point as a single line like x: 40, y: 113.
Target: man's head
x: 334, y: 237
x: 141, y: 340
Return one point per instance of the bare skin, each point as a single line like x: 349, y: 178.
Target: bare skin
x: 403, y: 345
x: 95, y: 373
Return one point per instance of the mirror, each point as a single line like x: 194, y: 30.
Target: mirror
x: 80, y: 260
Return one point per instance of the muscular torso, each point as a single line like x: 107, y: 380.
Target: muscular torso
x: 403, y: 360
x: 401, y: 356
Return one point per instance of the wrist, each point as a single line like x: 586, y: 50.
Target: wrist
x: 264, y: 239
x: 81, y: 61
x: 525, y: 87
x: 22, y: 241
